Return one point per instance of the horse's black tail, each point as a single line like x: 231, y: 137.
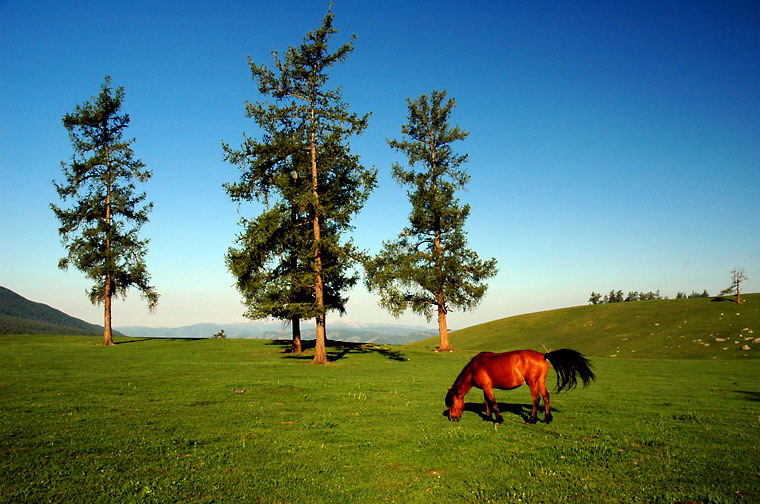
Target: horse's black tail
x: 570, y: 364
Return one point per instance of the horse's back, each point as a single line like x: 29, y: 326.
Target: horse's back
x: 513, y: 357
x: 508, y: 369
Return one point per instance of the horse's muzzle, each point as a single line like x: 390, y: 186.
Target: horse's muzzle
x: 454, y: 418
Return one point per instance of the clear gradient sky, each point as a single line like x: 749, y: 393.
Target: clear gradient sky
x: 613, y: 145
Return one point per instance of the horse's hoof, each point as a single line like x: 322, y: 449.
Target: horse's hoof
x: 548, y: 419
x: 531, y: 420
x: 499, y: 420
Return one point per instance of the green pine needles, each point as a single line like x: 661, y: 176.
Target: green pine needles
x: 429, y: 268
x: 100, y: 228
x: 292, y: 262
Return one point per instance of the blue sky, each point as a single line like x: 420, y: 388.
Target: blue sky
x: 613, y: 145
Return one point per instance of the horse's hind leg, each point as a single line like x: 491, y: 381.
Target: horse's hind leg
x: 536, y: 399
x: 545, y: 394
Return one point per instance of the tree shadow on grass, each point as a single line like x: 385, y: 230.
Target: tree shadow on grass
x: 337, y: 350
x: 518, y: 410
x: 136, y: 340
x: 141, y: 340
x: 720, y: 299
x: 748, y: 395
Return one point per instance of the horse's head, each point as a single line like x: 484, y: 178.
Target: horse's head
x: 455, y: 405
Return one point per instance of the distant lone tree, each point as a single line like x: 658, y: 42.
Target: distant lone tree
x: 429, y: 268
x: 290, y: 262
x: 100, y: 229
x: 737, y: 277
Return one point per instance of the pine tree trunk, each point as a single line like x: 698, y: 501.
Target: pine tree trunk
x: 107, y: 294
x: 107, y: 332
x: 320, y: 354
x: 295, y: 320
x: 296, y: 325
x: 443, y: 331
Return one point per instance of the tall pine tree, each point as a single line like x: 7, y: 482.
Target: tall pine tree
x: 272, y: 257
x: 429, y: 268
x: 100, y: 229
x: 291, y: 261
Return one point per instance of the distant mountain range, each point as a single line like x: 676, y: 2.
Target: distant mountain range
x: 19, y: 315
x: 337, y: 329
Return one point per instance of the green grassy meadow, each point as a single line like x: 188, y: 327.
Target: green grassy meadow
x: 242, y: 421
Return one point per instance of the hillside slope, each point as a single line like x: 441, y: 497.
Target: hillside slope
x: 19, y: 315
x: 685, y: 328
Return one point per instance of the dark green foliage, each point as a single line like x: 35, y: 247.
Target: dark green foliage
x: 100, y: 227
x: 273, y: 261
x: 614, y: 297
x: 692, y: 295
x: 650, y: 296
x: 292, y: 260
x: 617, y: 296
x: 270, y: 268
x: 429, y: 268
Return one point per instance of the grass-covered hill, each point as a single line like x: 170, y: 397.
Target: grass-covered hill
x: 700, y: 328
x: 19, y: 315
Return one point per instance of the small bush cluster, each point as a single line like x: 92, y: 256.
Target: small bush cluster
x: 618, y: 297
x: 694, y: 294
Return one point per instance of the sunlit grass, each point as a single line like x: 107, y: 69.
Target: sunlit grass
x: 240, y: 421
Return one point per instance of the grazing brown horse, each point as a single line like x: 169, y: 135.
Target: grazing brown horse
x: 509, y: 370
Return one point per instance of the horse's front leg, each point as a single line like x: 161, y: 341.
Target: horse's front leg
x: 488, y: 406
x: 491, y: 405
